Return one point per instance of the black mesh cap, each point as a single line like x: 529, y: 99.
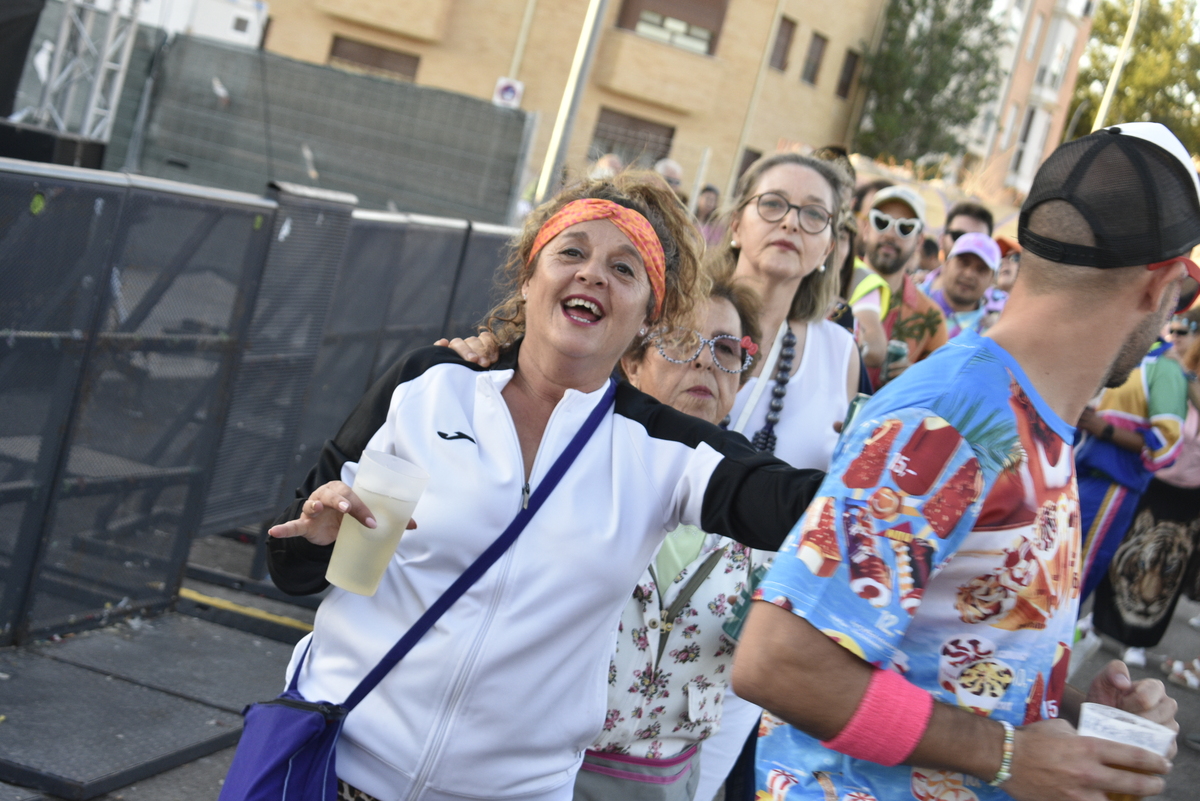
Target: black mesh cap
x: 1135, y: 186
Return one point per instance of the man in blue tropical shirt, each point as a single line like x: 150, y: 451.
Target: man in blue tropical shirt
x: 913, y: 636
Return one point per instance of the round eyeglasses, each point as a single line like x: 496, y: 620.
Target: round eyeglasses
x: 730, y: 354
x: 905, y: 226
x: 773, y: 207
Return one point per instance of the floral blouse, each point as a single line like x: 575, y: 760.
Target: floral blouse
x: 668, y: 675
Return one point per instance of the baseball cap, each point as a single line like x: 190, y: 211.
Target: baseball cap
x: 904, y: 195
x: 1136, y: 187
x: 981, y: 245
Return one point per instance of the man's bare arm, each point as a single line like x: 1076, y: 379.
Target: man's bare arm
x: 789, y: 667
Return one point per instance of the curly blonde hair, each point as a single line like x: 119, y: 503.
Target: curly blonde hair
x: 817, y: 292
x: 648, y: 195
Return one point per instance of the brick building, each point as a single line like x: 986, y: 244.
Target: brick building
x: 1040, y: 52
x: 670, y: 77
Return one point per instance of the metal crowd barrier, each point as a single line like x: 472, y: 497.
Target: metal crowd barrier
x: 172, y: 358
x: 405, y: 280
x: 123, y: 307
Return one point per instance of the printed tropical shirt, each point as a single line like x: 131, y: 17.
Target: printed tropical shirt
x: 944, y: 545
x: 913, y: 318
x: 668, y: 675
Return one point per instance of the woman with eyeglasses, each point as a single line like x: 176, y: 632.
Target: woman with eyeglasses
x: 782, y: 238
x: 783, y: 222
x: 672, y: 658
x: 503, y: 695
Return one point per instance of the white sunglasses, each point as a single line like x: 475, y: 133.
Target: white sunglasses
x: 905, y: 226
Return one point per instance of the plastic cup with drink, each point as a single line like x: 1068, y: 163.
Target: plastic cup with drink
x: 390, y: 487
x: 1119, y: 726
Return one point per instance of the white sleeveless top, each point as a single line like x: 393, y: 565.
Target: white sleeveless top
x: 816, y: 397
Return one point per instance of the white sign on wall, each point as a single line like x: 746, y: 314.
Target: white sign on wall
x: 508, y: 93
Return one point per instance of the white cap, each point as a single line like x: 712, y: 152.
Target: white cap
x: 904, y: 195
x: 1158, y: 134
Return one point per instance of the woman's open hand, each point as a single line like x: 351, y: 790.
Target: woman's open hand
x: 482, y: 350
x: 321, y: 515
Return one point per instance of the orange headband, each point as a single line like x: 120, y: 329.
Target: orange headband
x: 628, y: 221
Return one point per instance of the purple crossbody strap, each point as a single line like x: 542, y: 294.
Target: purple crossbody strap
x: 487, y: 558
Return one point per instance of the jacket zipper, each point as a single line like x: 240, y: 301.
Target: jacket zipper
x: 460, y: 682
x: 422, y: 775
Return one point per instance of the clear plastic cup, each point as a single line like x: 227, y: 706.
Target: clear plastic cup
x: 1118, y: 726
x: 390, y: 487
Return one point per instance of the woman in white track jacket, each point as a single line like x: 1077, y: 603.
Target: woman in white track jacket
x: 489, y: 703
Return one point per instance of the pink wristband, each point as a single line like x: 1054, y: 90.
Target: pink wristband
x: 890, y: 720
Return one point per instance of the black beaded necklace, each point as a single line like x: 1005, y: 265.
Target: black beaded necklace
x: 764, y: 440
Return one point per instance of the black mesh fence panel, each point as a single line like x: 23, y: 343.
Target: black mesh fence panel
x: 476, y: 289
x: 153, y: 304
x: 56, y: 234
x: 393, y: 295
x: 270, y: 390
x: 393, y: 144
x: 426, y: 271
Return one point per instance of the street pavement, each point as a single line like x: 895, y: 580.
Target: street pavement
x: 201, y: 779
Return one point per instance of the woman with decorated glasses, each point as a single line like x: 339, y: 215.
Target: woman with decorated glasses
x: 501, y: 698
x: 672, y: 660
x: 782, y: 227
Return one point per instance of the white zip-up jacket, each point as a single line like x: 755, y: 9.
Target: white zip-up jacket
x: 501, y: 697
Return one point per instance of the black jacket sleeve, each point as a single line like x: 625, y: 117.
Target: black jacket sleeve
x: 296, y: 565
x: 757, y: 499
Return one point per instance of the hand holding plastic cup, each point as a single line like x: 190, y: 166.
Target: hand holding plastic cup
x: 390, y: 487
x: 1119, y: 726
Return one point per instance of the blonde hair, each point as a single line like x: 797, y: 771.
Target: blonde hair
x: 819, y: 289
x: 647, y: 194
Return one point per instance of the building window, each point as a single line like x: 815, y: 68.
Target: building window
x: 783, y: 43
x: 241, y: 24
x: 1034, y: 33
x: 812, y: 64
x: 849, y: 70
x: 637, y: 141
x: 687, y: 24
x: 1023, y: 139
x: 748, y: 157
x: 379, y: 60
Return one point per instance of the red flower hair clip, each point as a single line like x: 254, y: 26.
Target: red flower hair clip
x: 749, y: 346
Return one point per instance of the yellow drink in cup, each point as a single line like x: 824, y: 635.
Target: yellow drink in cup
x: 1118, y: 726
x: 390, y: 487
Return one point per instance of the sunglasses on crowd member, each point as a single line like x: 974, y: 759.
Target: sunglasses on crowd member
x: 1182, y: 327
x: 905, y: 226
x: 683, y: 345
x: 773, y: 207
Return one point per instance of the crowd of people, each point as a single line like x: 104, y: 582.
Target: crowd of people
x: 750, y: 578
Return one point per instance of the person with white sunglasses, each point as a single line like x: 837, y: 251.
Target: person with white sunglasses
x: 891, y: 313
